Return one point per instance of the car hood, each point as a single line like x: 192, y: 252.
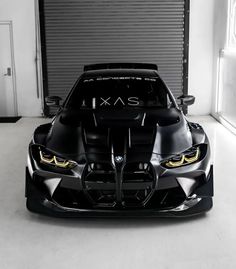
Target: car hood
x: 133, y: 133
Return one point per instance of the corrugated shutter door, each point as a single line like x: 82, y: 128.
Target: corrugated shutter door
x: 80, y: 32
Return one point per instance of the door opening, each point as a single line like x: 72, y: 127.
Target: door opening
x: 8, y: 103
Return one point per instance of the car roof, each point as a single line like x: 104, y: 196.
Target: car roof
x: 121, y: 72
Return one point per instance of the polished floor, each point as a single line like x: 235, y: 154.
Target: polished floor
x: 31, y: 241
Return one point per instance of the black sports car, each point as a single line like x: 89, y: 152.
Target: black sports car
x: 119, y: 146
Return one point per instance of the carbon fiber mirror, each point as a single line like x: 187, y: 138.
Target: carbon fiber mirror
x: 186, y: 100
x: 53, y: 101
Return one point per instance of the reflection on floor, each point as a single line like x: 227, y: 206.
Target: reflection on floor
x: 32, y: 241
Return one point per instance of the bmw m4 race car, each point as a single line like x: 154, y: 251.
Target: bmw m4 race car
x: 119, y: 146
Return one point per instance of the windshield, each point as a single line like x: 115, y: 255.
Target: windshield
x: 119, y: 92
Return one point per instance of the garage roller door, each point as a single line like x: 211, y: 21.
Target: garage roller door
x: 80, y: 32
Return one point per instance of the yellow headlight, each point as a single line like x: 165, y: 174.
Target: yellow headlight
x: 54, y: 160
x: 193, y: 158
x: 189, y: 157
x: 176, y: 163
x: 46, y: 158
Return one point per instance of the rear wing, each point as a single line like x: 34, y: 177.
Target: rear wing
x: 120, y: 66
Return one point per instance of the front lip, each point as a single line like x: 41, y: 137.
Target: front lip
x: 49, y: 208
x: 187, y: 204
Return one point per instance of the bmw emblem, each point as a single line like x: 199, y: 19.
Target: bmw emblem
x: 118, y: 159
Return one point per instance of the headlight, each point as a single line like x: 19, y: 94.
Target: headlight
x: 188, y: 157
x: 50, y: 159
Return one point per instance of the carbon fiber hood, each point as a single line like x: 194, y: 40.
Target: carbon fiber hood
x: 133, y: 133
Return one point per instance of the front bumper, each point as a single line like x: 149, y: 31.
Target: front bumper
x: 39, y: 201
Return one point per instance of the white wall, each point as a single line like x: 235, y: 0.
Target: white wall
x: 208, y: 32
x: 220, y: 39
x: 22, y: 15
x: 201, y: 55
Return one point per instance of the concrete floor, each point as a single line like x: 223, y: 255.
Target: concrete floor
x: 31, y: 241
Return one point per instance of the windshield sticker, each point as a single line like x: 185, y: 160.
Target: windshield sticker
x: 109, y: 101
x: 118, y: 78
x: 117, y: 101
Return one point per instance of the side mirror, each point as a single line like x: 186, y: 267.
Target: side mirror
x: 53, y: 101
x: 186, y: 100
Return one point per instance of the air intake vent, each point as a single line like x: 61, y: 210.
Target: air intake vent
x: 100, y: 186
x: 140, y: 178
x: 105, y: 187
